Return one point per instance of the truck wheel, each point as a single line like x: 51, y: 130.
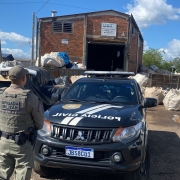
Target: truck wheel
x: 141, y: 173
x: 44, y: 170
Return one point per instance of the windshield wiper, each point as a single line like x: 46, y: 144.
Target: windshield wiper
x: 108, y: 102
x: 103, y: 102
x: 74, y: 100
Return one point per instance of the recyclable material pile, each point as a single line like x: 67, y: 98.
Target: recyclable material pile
x: 60, y: 60
x: 170, y: 98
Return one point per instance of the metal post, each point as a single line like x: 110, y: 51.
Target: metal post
x: 84, y: 61
x: 0, y: 52
x: 39, y: 43
x: 127, y: 47
x: 32, y: 47
x: 37, y: 25
x: 137, y: 53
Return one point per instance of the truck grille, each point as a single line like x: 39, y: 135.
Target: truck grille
x: 81, y: 134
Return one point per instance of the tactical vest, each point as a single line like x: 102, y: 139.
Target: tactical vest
x: 14, y: 116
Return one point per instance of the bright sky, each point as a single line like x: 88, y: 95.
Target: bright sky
x: 158, y: 20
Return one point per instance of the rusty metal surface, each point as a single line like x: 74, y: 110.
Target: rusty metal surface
x: 164, y: 81
x: 57, y: 72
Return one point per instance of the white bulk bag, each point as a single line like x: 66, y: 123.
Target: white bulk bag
x: 59, y: 60
x: 142, y: 89
x: 142, y: 79
x: 154, y: 92
x: 172, y: 100
x: 75, y: 78
x: 81, y: 66
x: 51, y: 60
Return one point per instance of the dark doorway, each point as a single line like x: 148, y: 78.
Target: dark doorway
x: 102, y: 57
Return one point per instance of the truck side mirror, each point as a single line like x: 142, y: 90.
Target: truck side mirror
x: 150, y: 102
x: 55, y: 97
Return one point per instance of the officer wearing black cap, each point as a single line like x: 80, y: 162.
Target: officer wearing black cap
x: 20, y: 111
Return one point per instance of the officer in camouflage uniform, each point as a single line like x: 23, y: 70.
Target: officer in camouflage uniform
x: 20, y: 111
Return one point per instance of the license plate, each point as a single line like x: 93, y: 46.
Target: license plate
x: 79, y: 152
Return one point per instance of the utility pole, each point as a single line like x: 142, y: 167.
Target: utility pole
x: 32, y: 47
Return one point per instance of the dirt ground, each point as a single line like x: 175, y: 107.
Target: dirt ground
x: 164, y: 141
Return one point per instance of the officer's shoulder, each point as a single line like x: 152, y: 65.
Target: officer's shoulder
x: 31, y: 95
x: 3, y: 88
x: 26, y: 92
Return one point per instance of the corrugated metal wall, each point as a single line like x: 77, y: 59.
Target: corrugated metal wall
x: 164, y: 81
x: 54, y: 73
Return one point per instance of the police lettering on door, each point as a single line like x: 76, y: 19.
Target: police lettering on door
x: 10, y: 105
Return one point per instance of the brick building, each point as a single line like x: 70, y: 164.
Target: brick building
x: 103, y: 40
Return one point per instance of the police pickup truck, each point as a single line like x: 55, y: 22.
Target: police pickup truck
x: 99, y: 125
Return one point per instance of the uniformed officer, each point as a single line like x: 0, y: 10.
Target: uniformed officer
x: 20, y: 109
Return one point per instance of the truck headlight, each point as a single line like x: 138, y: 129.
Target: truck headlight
x: 46, y: 130
x: 127, y: 134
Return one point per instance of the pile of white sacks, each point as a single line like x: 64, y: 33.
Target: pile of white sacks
x: 169, y: 98
x: 53, y: 60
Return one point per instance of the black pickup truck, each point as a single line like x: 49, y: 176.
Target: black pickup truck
x: 99, y: 124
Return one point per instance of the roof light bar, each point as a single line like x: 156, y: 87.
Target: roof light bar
x: 120, y: 73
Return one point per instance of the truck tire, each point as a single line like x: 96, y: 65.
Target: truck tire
x: 44, y: 170
x: 141, y: 173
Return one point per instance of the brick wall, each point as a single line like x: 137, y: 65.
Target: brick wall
x: 132, y: 67
x: 140, y: 54
x: 134, y: 49
x: 52, y: 41
x: 94, y: 24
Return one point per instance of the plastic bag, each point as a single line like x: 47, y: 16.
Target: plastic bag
x: 142, y: 79
x: 154, y: 92
x: 172, y: 100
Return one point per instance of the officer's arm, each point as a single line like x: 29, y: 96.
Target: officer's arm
x: 36, y: 110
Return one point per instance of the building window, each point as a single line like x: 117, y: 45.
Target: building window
x: 63, y: 27
x: 133, y: 31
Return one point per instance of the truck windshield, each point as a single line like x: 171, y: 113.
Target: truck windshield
x: 123, y: 93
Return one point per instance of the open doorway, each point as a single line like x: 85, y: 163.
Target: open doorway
x: 105, y: 57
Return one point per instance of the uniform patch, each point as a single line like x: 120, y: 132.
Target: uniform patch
x: 10, y: 105
x: 71, y: 106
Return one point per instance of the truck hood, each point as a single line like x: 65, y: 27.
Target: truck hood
x: 94, y: 114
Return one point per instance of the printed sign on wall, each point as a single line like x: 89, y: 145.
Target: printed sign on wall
x: 64, y: 41
x: 108, y: 29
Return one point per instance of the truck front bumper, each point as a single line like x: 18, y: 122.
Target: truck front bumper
x: 131, y: 155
